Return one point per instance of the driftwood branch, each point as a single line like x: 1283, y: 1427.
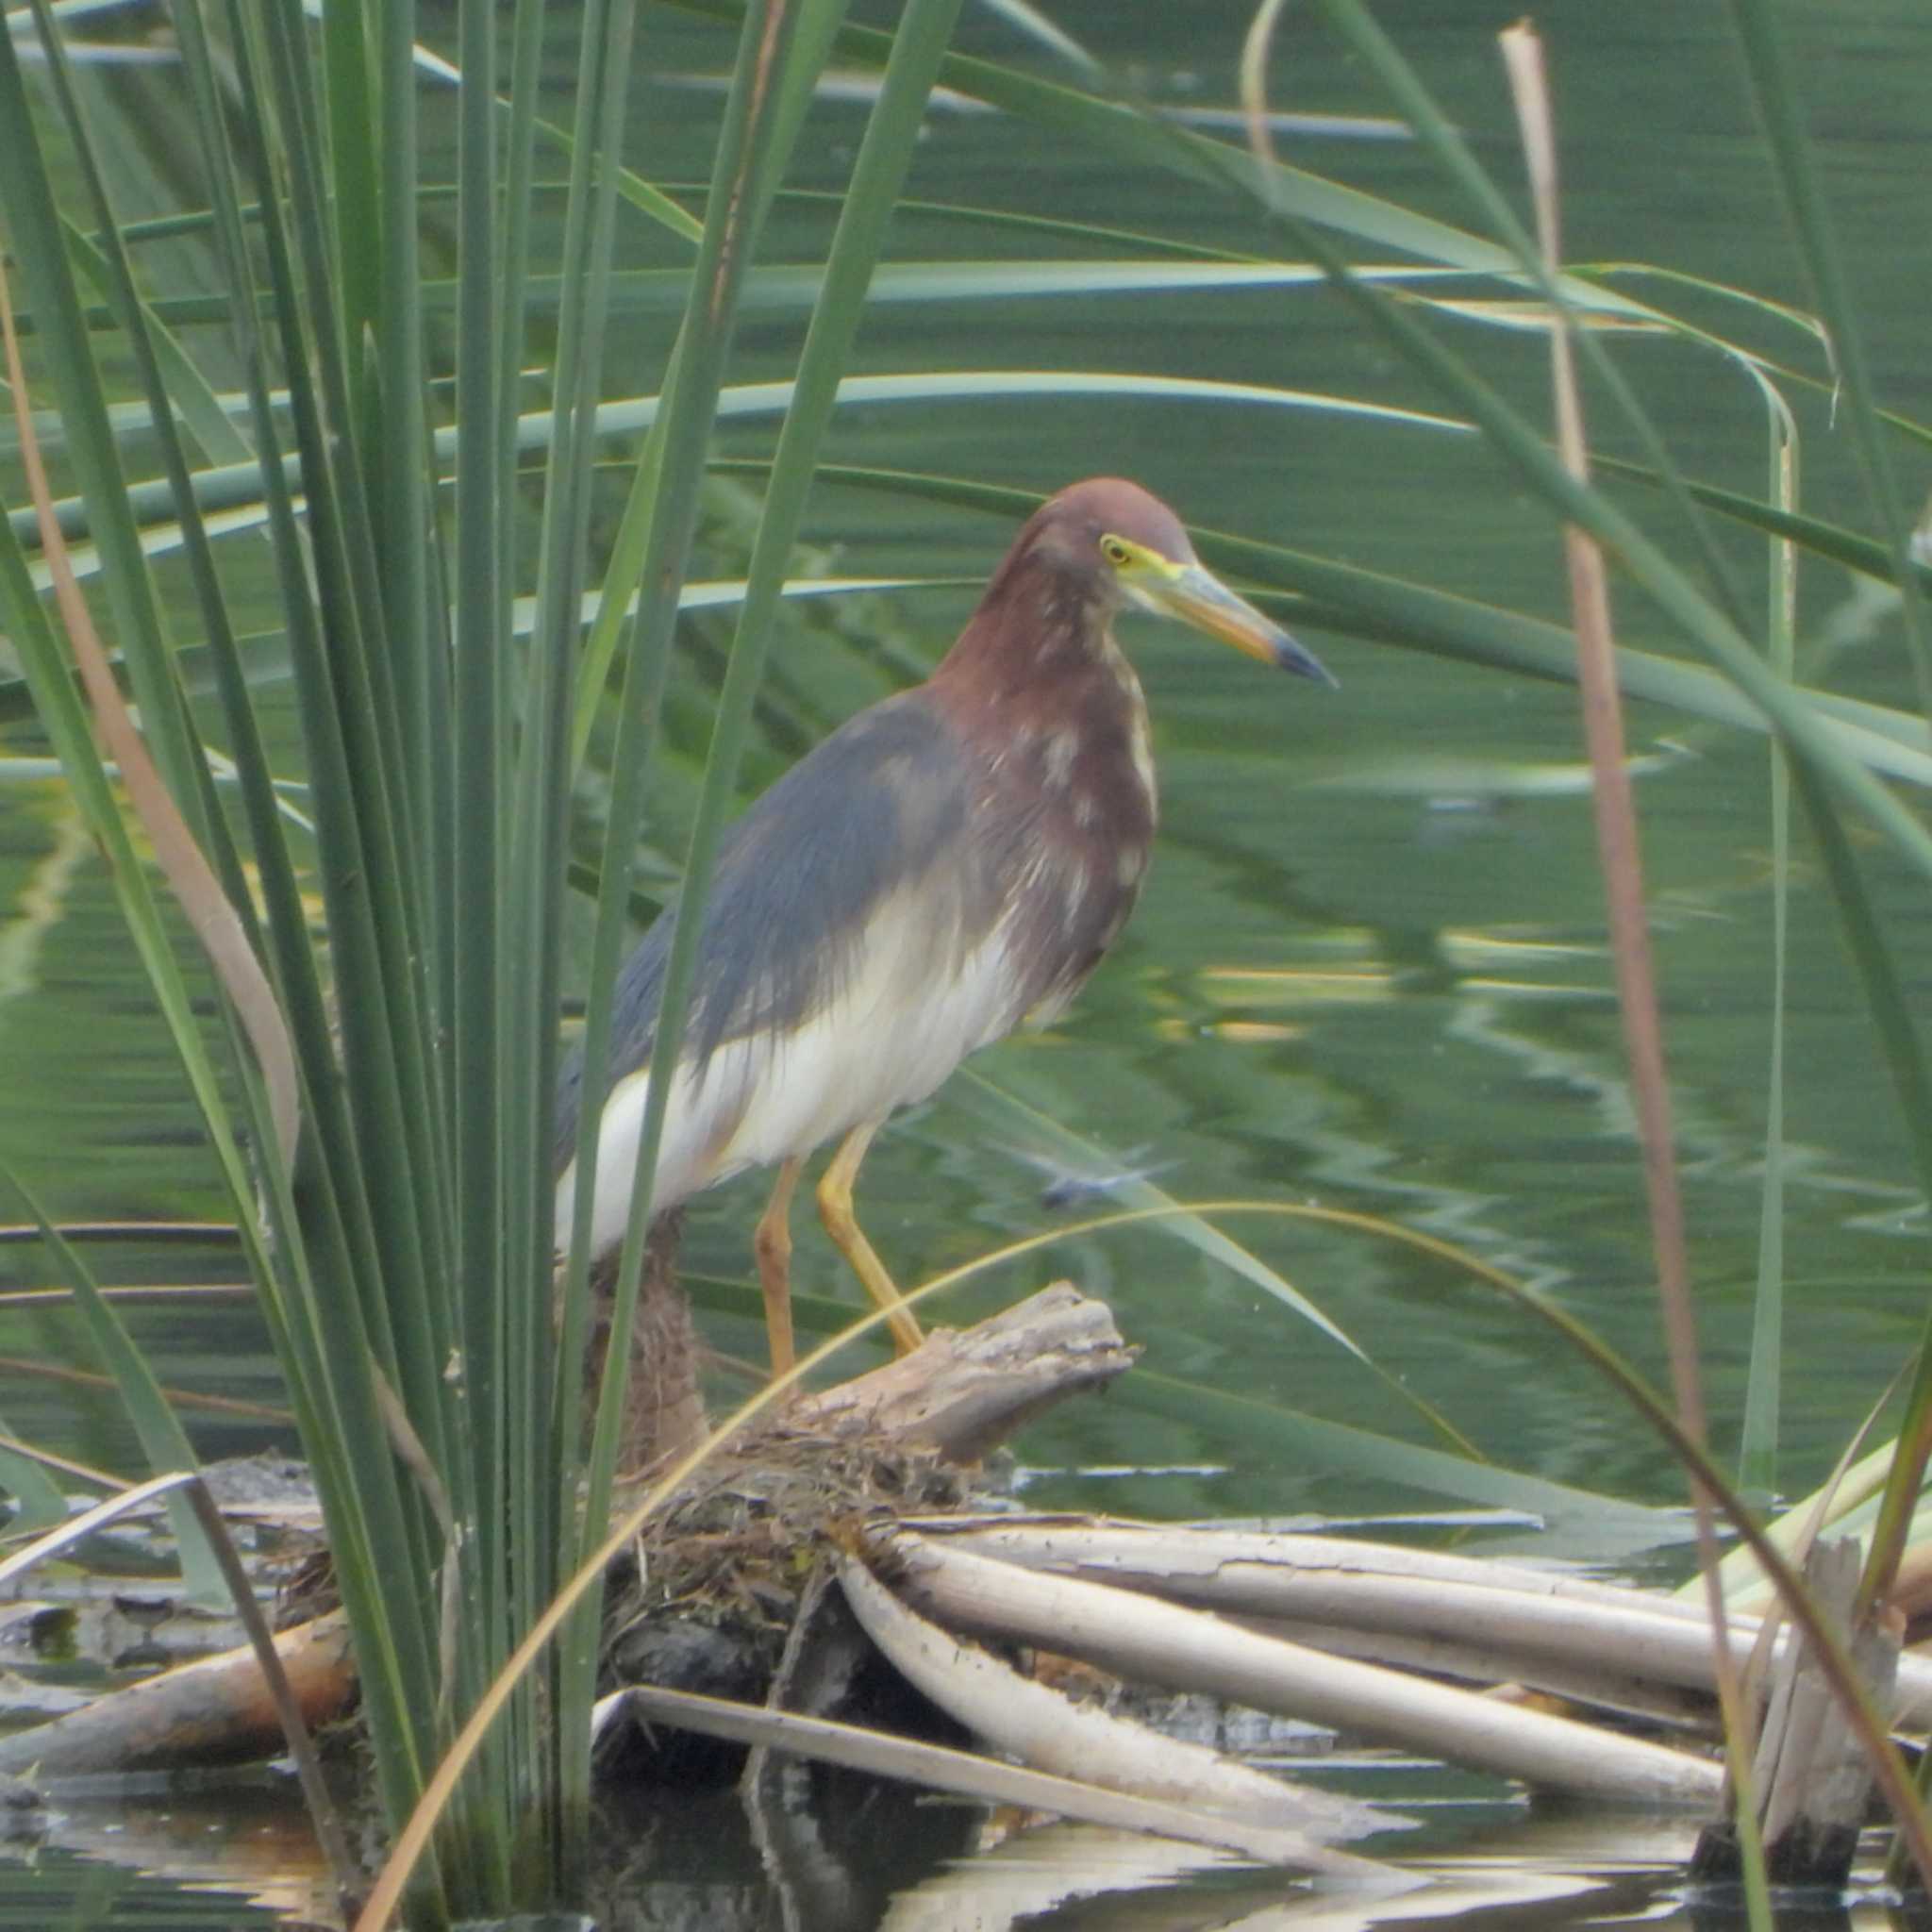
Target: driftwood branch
x: 966, y: 1390
x: 1502, y: 1671
x: 1187, y: 1650
x: 1462, y: 1615
x: 217, y: 1711
x: 1045, y: 1729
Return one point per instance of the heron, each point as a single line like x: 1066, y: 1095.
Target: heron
x: 947, y: 866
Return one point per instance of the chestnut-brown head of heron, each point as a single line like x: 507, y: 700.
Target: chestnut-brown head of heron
x: 1108, y: 540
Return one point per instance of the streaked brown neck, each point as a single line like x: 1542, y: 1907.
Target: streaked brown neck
x: 1038, y: 688
x: 1037, y: 626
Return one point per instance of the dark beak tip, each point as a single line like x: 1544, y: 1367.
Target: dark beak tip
x: 1297, y: 657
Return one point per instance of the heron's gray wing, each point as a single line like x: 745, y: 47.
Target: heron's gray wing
x: 869, y: 809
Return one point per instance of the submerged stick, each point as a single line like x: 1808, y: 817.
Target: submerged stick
x: 944, y: 1768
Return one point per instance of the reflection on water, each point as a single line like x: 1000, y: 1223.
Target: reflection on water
x: 216, y: 1863
x: 884, y: 1857
x: 1368, y: 970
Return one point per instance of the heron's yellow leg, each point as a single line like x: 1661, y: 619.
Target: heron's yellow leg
x: 772, y: 1244
x: 835, y: 1209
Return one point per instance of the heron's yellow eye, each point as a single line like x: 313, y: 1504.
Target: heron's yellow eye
x: 1114, y: 551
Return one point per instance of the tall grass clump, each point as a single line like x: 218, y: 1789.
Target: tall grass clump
x: 378, y: 1091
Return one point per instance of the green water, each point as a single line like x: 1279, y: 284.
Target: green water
x: 1369, y: 968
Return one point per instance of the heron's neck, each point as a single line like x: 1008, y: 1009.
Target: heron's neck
x: 1039, y: 638
x: 1037, y: 686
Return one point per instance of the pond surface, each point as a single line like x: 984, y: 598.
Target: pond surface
x: 1369, y: 970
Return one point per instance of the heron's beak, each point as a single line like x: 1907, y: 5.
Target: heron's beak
x: 1197, y: 597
